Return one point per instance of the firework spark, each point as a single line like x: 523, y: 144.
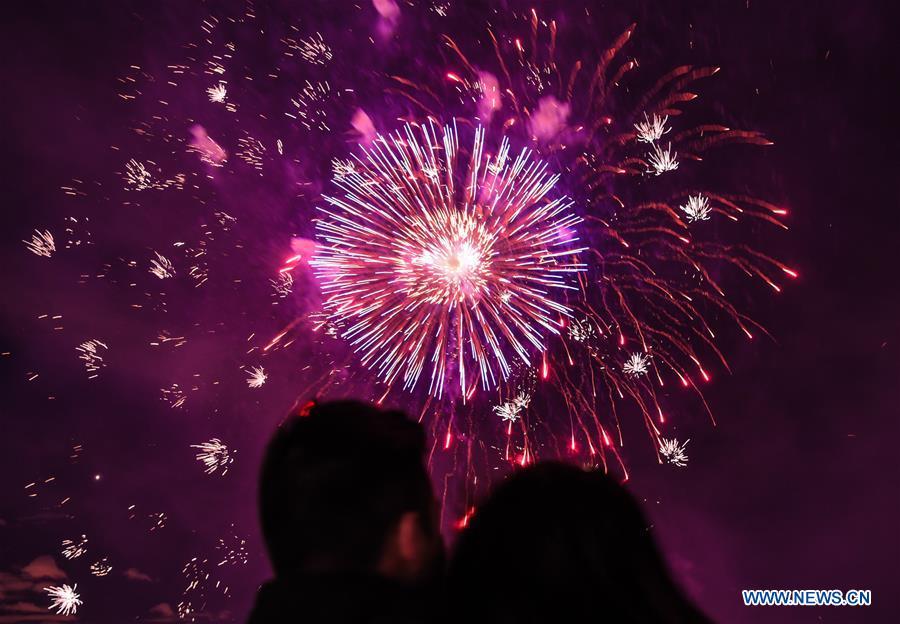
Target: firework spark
x: 511, y: 411
x: 696, y: 208
x: 101, y: 567
x: 652, y: 129
x: 673, y: 452
x: 257, y: 377
x: 161, y: 266
x: 314, y: 50
x: 65, y: 599
x: 41, y: 243
x: 91, y: 353
x: 638, y: 364
x: 428, y: 259
x: 72, y: 549
x: 214, y: 455
x: 663, y: 160
x: 217, y: 93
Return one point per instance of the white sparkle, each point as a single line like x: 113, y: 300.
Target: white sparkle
x: 217, y: 93
x: 663, y: 160
x: 511, y: 411
x: 214, y: 455
x: 651, y: 130
x: 257, y: 377
x: 637, y: 364
x: 673, y: 451
x: 41, y: 243
x: 162, y: 267
x: 697, y: 208
x: 65, y: 599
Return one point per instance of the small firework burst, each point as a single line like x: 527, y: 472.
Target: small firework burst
x: 72, y: 549
x: 663, y: 160
x: 582, y: 330
x: 162, y: 267
x: 233, y: 549
x: 673, y: 452
x: 173, y: 395
x: 342, y: 168
x: 314, y: 50
x: 456, y: 254
x: 65, y: 599
x: 157, y: 520
x: 101, y: 567
x: 283, y: 285
x: 696, y: 209
x: 214, y: 455
x: 311, y: 106
x: 41, y: 243
x: 251, y: 151
x: 651, y: 129
x: 91, y: 353
x: 638, y: 364
x: 511, y: 411
x: 217, y: 93
x: 257, y: 377
x: 138, y: 177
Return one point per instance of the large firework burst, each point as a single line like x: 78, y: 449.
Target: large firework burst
x: 652, y: 282
x: 444, y: 260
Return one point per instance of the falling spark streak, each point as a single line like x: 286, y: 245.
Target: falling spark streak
x: 65, y: 599
x: 437, y: 260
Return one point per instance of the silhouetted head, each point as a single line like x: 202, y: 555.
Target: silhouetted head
x: 555, y: 543
x: 344, y: 489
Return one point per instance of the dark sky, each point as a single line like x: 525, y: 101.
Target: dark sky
x: 798, y: 486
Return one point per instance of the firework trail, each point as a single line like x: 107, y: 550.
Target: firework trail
x: 446, y: 261
x: 214, y: 455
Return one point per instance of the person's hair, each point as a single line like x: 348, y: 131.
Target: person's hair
x: 335, y: 480
x: 555, y: 543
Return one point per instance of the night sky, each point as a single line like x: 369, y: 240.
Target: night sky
x: 797, y: 486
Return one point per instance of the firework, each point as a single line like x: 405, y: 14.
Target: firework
x: 217, y: 93
x: 101, y: 567
x: 173, y: 395
x: 444, y: 259
x: 257, y: 377
x: 72, y: 549
x: 651, y: 130
x: 673, y: 452
x: 651, y: 283
x: 161, y: 266
x: 91, y: 353
x: 510, y: 411
x: 65, y: 599
x: 662, y: 160
x: 214, y: 455
x: 41, y: 243
x: 636, y: 365
x: 696, y: 208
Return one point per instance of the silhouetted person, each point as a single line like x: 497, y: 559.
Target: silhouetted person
x: 555, y: 543
x: 349, y: 519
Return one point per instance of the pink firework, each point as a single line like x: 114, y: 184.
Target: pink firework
x: 445, y: 260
